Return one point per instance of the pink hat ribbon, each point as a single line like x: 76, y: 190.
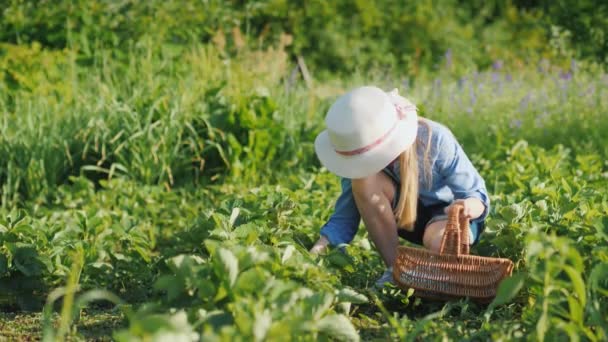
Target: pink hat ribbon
x: 401, y: 115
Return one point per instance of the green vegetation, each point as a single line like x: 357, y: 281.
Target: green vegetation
x: 158, y: 180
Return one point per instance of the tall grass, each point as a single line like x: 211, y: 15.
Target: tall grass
x: 173, y: 116
x: 166, y: 117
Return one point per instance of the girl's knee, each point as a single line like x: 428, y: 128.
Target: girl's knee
x: 433, y: 235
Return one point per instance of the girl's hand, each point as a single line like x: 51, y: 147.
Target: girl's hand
x: 473, y: 207
x: 320, y: 246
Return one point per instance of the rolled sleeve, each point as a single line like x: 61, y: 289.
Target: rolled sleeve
x: 343, y: 224
x: 460, y: 175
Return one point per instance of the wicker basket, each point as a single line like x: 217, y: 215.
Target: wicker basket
x: 452, y: 273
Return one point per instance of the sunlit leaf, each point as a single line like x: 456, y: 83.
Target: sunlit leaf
x: 287, y: 253
x: 230, y: 264
x: 508, y: 289
x: 233, y: 216
x: 338, y: 327
x: 261, y: 325
x: 577, y: 283
x: 352, y: 296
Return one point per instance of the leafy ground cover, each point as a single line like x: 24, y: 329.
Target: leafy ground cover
x: 169, y: 199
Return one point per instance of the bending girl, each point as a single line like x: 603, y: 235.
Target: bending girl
x: 399, y: 173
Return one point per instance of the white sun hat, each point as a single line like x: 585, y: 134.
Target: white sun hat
x: 367, y: 128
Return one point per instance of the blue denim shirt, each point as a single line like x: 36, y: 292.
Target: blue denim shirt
x: 453, y: 177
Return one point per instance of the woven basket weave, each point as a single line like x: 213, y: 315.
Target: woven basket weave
x: 452, y: 273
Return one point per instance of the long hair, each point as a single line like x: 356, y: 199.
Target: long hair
x: 407, y: 207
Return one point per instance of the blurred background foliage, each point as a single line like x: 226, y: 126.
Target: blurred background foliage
x: 334, y: 36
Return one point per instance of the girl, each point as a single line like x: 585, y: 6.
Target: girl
x: 398, y: 172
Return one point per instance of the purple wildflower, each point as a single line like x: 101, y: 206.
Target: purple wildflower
x: 523, y: 104
x: 573, y: 65
x: 566, y: 76
x: 461, y: 82
x: 448, y: 58
x: 516, y: 123
x: 543, y: 66
x: 497, y: 65
x: 472, y: 94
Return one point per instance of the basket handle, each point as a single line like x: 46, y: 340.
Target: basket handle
x: 456, y: 235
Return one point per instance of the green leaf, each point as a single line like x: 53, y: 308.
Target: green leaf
x: 576, y: 310
x: 287, y: 253
x: 598, y: 279
x: 339, y: 259
x: 233, y: 216
x: 3, y: 264
x: 251, y: 281
x: 26, y: 260
x: 351, y: 296
x: 171, y: 284
x: 338, y: 327
x: 262, y: 324
x: 566, y: 186
x: 230, y: 264
x: 507, y: 290
x: 577, y: 283
x: 216, y: 318
x: 212, y: 246
x: 319, y: 303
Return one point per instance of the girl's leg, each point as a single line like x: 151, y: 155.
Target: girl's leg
x: 373, y: 196
x: 433, y: 235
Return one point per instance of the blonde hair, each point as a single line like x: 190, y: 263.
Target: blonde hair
x: 407, y: 207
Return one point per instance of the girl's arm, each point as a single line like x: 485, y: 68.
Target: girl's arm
x: 462, y: 178
x: 343, y: 223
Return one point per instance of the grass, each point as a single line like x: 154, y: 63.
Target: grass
x: 92, y: 325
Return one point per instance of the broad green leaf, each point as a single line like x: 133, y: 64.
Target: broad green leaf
x: 577, y: 283
x: 352, y: 296
x: 233, y: 216
x: 598, y: 279
x: 26, y: 260
x: 171, y: 284
x: 206, y: 289
x: 251, y: 281
x: 534, y: 248
x: 319, y: 303
x: 230, y: 264
x: 576, y: 310
x: 287, y: 253
x: 216, y: 318
x: 343, y: 307
x: 508, y: 289
x: 339, y: 259
x: 212, y: 246
x: 338, y: 327
x: 262, y: 324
